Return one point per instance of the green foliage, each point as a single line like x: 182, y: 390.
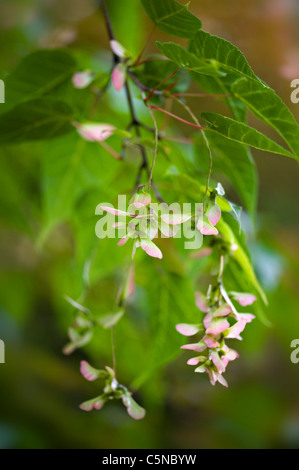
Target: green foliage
x: 36, y: 119
x: 41, y: 73
x: 75, y: 173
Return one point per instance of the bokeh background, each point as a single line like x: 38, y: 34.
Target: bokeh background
x: 41, y: 388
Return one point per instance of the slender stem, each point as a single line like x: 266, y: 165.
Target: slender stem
x: 156, y: 147
x: 113, y: 349
x: 161, y: 83
x: 107, y: 20
x: 172, y: 85
x: 199, y: 95
x: 135, y: 123
x: 220, y: 276
x: 227, y: 299
x: 210, y: 169
x: 221, y: 267
x: 187, y: 108
x: 143, y: 87
x: 110, y: 150
x: 176, y: 117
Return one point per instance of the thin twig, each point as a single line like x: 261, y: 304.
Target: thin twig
x: 107, y: 21
x: 210, y: 169
x: 220, y: 277
x: 161, y: 83
x: 176, y: 117
x: 227, y: 299
x: 172, y: 85
x: 113, y: 349
x: 141, y: 86
x: 221, y: 268
x: 110, y: 150
x: 198, y: 95
x: 156, y: 146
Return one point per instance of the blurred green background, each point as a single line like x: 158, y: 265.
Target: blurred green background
x: 40, y: 258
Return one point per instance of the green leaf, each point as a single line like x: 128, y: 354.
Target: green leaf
x: 240, y: 132
x: 220, y: 86
x: 39, y: 74
x: 35, y: 120
x: 267, y: 106
x: 187, y: 59
x: 222, y: 53
x: 172, y: 17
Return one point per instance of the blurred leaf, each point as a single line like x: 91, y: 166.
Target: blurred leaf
x: 71, y: 167
x: 35, y: 120
x: 40, y: 73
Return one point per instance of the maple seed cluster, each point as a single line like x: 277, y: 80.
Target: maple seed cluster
x: 216, y: 329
